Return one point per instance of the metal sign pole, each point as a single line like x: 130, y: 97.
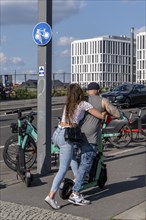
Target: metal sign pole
x: 44, y: 91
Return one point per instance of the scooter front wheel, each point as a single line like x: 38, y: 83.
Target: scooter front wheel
x: 123, y: 139
x: 11, y: 149
x: 65, y: 188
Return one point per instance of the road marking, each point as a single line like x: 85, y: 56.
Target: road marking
x: 6, y: 126
x: 55, y: 109
x: 1, y: 147
x: 122, y: 152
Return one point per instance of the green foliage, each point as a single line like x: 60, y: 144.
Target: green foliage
x: 25, y: 93
x: 58, y: 92
x: 104, y: 89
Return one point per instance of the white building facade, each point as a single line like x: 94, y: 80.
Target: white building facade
x: 141, y: 58
x: 105, y: 60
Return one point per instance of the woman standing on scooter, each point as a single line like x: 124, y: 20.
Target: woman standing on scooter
x: 73, y: 113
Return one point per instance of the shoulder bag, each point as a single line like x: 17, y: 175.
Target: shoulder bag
x: 73, y: 134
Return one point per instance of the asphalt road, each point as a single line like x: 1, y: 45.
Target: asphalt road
x: 124, y: 189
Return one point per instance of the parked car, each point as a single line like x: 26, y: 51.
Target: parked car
x: 127, y: 95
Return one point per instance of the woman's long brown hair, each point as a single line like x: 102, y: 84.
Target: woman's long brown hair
x: 74, y: 97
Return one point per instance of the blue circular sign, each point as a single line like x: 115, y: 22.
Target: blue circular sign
x: 42, y: 33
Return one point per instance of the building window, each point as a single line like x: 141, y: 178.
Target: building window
x: 100, y: 46
x: 144, y: 46
x: 104, y: 46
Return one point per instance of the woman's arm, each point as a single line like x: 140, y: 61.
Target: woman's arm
x: 96, y: 113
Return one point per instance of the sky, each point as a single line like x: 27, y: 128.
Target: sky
x: 72, y: 20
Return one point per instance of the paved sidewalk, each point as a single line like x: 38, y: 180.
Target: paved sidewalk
x: 21, y: 203
x: 13, y: 211
x: 136, y: 213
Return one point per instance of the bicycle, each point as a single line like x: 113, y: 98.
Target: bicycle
x: 116, y: 131
x: 138, y: 125
x: 20, y: 151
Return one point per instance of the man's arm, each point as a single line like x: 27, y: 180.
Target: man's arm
x: 111, y: 109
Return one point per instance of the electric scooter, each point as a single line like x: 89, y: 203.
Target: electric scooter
x: 97, y: 175
x: 20, y: 164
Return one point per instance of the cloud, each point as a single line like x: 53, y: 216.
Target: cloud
x: 65, y: 53
x: 65, y: 41
x: 3, y: 39
x: 4, y: 60
x: 64, y: 9
x: 18, y: 12
x: 26, y: 11
x: 16, y: 61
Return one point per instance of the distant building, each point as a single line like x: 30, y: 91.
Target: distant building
x: 141, y: 58
x: 105, y: 60
x: 31, y: 83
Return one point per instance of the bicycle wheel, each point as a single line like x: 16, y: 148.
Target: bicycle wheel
x: 139, y: 136
x: 11, y: 149
x: 123, y: 139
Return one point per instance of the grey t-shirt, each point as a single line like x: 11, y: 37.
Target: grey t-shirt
x: 90, y: 125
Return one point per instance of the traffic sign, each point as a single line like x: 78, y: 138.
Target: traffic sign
x: 41, y: 70
x: 42, y: 33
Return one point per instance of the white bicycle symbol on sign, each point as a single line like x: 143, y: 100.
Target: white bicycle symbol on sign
x: 40, y: 34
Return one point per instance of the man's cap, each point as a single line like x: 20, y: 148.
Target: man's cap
x: 93, y: 86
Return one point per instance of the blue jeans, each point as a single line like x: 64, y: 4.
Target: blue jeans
x: 65, y: 157
x: 88, y: 153
x: 74, y: 163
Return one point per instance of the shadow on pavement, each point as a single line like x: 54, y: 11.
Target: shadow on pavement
x: 116, y: 188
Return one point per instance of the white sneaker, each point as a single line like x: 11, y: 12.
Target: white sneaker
x: 78, y: 199
x: 52, y: 203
